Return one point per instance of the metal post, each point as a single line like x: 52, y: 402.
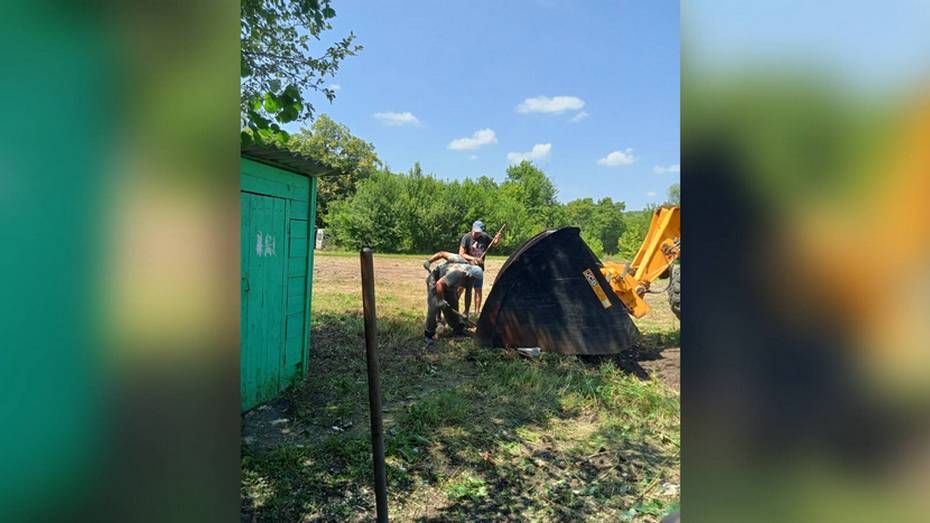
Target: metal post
x: 374, y: 382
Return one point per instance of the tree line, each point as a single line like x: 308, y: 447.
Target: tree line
x: 414, y: 212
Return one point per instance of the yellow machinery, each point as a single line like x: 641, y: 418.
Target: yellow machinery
x: 659, y: 250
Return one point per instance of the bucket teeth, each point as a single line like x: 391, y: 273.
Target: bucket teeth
x: 551, y: 294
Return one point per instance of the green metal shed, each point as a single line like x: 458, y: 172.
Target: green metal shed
x: 277, y: 201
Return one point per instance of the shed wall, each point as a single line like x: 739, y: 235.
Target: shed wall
x: 278, y: 211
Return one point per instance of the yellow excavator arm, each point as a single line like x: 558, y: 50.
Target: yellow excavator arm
x: 659, y: 250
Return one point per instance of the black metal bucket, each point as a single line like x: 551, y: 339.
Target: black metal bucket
x: 551, y: 294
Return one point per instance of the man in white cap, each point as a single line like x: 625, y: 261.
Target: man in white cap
x: 473, y: 246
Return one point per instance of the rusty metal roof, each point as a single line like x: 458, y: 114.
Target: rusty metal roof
x: 285, y: 159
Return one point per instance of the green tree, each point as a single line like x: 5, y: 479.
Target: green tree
x: 637, y: 225
x: 609, y: 222
x: 277, y: 67
x: 602, y: 220
x: 481, y: 199
x: 420, y: 213
x: 332, y: 144
x: 532, y: 188
x: 579, y: 212
x: 521, y: 224
x: 674, y: 194
x: 432, y: 212
x: 594, y: 243
x: 372, y: 217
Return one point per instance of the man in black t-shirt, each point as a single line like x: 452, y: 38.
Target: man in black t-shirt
x: 473, y: 247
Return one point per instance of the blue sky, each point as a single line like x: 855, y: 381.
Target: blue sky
x: 868, y: 46
x: 565, y: 83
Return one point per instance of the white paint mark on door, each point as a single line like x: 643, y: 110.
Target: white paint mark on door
x: 269, y: 245
x: 264, y: 244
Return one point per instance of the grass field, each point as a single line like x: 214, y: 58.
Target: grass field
x: 471, y: 434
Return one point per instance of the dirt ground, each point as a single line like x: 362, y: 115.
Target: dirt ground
x: 404, y: 275
x: 399, y: 272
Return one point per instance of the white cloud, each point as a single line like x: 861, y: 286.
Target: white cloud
x: 540, y: 152
x: 390, y: 118
x: 618, y: 158
x: 473, y: 157
x: 579, y: 117
x: 556, y: 104
x: 335, y: 87
x: 479, y: 138
x: 651, y: 194
x: 662, y: 169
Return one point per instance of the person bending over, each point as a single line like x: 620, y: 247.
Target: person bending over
x: 476, y: 270
x: 442, y: 296
x: 447, y: 256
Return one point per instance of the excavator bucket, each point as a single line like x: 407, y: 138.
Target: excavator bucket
x: 551, y: 294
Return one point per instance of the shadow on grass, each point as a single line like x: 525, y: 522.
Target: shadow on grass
x: 470, y: 434
x: 651, y: 347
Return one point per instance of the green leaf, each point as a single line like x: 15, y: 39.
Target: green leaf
x: 272, y: 105
x: 246, y: 138
x: 292, y: 92
x: 270, y: 136
x: 271, y: 49
x: 258, y: 120
x: 288, y: 114
x: 264, y: 136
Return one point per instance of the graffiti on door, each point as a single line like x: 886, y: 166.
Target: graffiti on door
x: 264, y: 244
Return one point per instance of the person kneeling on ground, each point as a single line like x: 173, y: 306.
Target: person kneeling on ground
x: 442, y: 288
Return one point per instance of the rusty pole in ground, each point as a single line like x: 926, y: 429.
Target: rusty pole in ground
x: 374, y: 382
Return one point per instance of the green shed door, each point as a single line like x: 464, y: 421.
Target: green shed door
x: 264, y: 281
